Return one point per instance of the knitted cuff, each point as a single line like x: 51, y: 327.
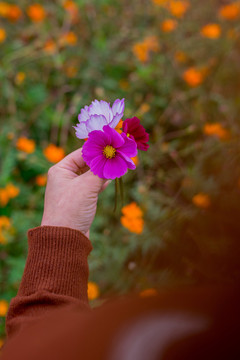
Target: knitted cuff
x: 56, y: 262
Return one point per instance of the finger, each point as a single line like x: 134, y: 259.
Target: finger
x: 105, y: 185
x: 94, y: 182
x: 73, y: 162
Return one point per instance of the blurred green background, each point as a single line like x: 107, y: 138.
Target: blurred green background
x: 176, y: 63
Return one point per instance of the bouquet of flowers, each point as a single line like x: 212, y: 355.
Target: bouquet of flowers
x: 111, y: 143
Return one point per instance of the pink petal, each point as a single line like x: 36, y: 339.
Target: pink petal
x: 115, y: 167
x: 129, y: 147
x: 97, y: 166
x: 116, y: 139
x: 130, y: 163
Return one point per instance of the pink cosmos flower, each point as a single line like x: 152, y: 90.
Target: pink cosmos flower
x: 98, y: 114
x: 108, y: 153
x: 136, y: 131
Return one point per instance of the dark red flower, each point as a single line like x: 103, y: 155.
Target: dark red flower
x: 137, y: 132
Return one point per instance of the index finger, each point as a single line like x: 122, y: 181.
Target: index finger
x: 73, y: 161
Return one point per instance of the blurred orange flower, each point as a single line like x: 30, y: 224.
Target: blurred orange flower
x: 124, y: 84
x: 1, y: 343
x: 4, y: 198
x: 26, y: 145
x: 132, y: 218
x: 71, y: 70
x: 3, y: 308
x: 36, y: 12
x: 20, y: 77
x: 119, y: 127
x: 178, y: 7
x: 72, y: 8
x: 69, y: 38
x: 134, y: 225
x: 54, y: 153
x: 193, y: 76
x: 93, y: 290
x: 216, y: 129
x: 169, y: 25
x: 50, y: 46
x: 132, y: 210
x: 148, y: 292
x: 2, y: 35
x: 211, y: 31
x: 144, y: 108
x: 4, y: 222
x: 12, y: 191
x: 4, y: 9
x: 201, y: 200
x: 142, y: 50
x: 41, y: 180
x: 135, y: 159
x: 14, y: 13
x: 230, y: 11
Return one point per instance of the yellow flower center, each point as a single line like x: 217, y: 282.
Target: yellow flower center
x: 128, y: 134
x: 109, y: 151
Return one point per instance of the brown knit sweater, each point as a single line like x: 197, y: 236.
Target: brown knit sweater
x: 50, y: 317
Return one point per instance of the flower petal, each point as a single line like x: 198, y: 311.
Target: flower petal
x: 100, y: 138
x: 129, y: 147
x: 116, y: 139
x: 84, y: 115
x: 115, y: 120
x: 81, y: 130
x: 114, y: 168
x: 130, y: 163
x: 97, y: 166
x: 118, y: 107
x: 101, y: 108
x: 96, y: 122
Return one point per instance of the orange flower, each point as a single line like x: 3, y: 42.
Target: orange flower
x: 14, y: 13
x: 148, y: 292
x: 132, y: 218
x: 201, y: 200
x: 4, y: 198
x: 54, y: 153
x: 4, y: 222
x: 71, y: 70
x: 216, y: 129
x: 211, y: 31
x: 124, y: 84
x: 2, y: 35
x: 72, y: 8
x: 141, y: 50
x: 180, y: 56
x: 69, y: 38
x: 41, y: 180
x: 135, y: 159
x: 168, y: 25
x: 4, y: 9
x: 36, y: 12
x: 3, y: 307
x: 1, y: 343
x: 178, y: 7
x: 26, y: 145
x: 134, y: 225
x: 193, y: 77
x: 119, y: 127
x: 230, y: 11
x: 12, y: 191
x: 50, y: 46
x: 93, y: 290
x: 20, y: 77
x: 132, y: 210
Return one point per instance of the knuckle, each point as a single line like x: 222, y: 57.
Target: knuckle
x: 51, y: 171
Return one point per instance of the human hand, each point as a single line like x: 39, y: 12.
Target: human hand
x: 71, y: 198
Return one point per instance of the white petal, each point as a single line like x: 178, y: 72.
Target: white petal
x: 101, y: 108
x: 81, y: 130
x: 96, y: 122
x: 118, y: 107
x: 84, y: 115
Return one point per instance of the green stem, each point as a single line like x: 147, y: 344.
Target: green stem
x: 116, y: 194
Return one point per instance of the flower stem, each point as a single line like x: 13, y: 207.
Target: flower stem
x: 116, y: 194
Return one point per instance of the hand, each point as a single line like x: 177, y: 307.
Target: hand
x: 70, y: 198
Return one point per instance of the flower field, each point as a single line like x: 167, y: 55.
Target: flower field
x: 176, y: 64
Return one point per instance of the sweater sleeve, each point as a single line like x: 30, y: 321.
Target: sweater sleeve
x: 55, y: 274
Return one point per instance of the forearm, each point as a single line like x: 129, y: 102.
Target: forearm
x: 56, y: 274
